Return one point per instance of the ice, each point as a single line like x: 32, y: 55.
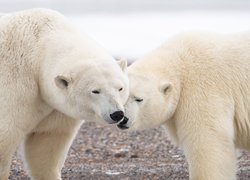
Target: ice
x: 131, y: 35
x: 112, y: 173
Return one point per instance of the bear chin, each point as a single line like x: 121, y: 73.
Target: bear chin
x: 123, y: 123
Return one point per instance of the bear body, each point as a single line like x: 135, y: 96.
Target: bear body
x: 52, y: 77
x: 197, y: 86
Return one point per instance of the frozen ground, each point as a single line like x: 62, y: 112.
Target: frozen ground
x: 104, y: 153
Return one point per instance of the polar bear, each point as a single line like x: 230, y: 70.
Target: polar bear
x: 52, y: 77
x: 197, y: 86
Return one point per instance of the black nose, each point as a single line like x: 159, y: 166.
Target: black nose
x: 117, y: 116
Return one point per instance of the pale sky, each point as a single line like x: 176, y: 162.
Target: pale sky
x: 124, y: 6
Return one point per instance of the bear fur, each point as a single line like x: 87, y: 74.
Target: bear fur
x: 52, y: 77
x: 197, y: 85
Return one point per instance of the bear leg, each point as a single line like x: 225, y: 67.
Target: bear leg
x: 9, y: 140
x: 211, y: 155
x: 46, y: 148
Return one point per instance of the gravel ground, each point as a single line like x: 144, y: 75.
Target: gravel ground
x: 101, y: 153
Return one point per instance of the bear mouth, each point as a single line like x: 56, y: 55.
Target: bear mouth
x: 122, y: 124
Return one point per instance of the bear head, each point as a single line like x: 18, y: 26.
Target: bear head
x: 151, y: 102
x: 94, y: 91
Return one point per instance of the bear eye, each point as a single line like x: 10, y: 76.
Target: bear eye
x: 138, y: 99
x: 96, y: 92
x: 120, y: 89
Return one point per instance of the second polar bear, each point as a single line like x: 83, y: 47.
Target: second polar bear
x: 198, y: 86
x: 52, y: 77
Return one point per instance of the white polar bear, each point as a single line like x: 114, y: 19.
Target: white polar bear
x: 51, y: 77
x: 198, y: 87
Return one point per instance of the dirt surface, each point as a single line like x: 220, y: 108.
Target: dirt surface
x: 104, y: 153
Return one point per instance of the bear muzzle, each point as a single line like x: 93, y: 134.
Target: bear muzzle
x: 123, y: 124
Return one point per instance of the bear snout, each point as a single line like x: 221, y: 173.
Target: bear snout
x: 123, y: 124
x: 117, y: 116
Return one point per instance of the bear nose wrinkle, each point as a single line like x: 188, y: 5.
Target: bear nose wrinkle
x: 117, y: 116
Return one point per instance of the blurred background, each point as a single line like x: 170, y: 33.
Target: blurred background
x: 130, y: 28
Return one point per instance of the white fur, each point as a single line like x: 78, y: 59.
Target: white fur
x: 41, y: 52
x: 197, y: 86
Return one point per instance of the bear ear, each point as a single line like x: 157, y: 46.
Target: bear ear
x: 62, y: 82
x: 165, y: 87
x: 123, y: 64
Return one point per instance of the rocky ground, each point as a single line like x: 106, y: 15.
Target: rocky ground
x: 102, y: 153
